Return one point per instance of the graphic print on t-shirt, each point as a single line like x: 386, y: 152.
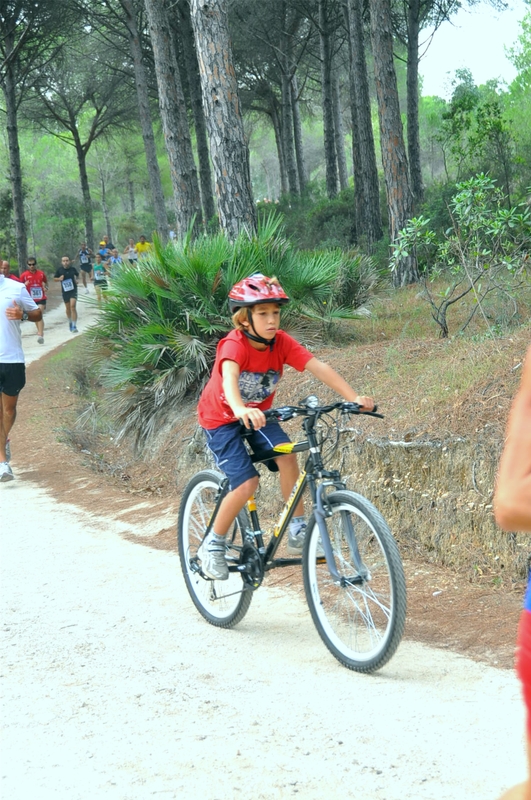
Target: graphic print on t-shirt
x: 256, y: 386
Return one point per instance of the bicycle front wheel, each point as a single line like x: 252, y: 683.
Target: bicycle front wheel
x: 361, y: 617
x: 222, y: 603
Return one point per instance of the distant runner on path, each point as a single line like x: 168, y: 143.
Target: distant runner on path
x: 15, y: 305
x: 36, y: 283
x: 6, y: 271
x: 100, y: 276
x: 68, y: 274
x: 143, y: 247
x: 85, y: 265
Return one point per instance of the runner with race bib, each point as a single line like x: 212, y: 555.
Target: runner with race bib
x: 36, y: 283
x: 85, y: 254
x: 67, y: 274
x: 100, y: 277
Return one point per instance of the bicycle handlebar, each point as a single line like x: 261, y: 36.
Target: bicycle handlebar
x: 284, y: 413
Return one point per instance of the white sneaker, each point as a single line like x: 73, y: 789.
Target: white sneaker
x: 296, y: 543
x: 40, y: 339
x: 213, y: 563
x: 6, y: 473
x: 87, y: 291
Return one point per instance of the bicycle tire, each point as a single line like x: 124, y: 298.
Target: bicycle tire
x: 221, y: 603
x: 360, y: 623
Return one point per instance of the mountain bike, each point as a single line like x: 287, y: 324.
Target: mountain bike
x: 353, y: 576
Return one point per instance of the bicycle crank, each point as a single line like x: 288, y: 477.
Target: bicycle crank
x: 250, y: 566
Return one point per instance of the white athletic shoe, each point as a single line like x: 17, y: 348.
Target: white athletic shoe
x: 40, y: 339
x: 296, y: 542
x: 213, y: 564
x: 6, y: 473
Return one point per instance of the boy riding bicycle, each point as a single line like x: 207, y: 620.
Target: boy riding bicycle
x: 248, y: 366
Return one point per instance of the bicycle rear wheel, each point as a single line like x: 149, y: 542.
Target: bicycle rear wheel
x: 222, y: 603
x: 361, y: 618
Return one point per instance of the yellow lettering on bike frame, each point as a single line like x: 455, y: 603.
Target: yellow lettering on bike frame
x: 289, y: 503
x: 251, y: 504
x: 287, y: 447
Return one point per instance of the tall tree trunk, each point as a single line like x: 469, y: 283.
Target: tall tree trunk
x: 339, y: 133
x: 174, y: 120
x: 359, y: 180
x: 297, y: 135
x: 104, y: 206
x: 277, y: 127
x: 15, y: 169
x: 146, y: 125
x: 326, y: 99
x: 186, y: 39
x: 228, y: 148
x: 131, y: 189
x: 85, y: 190
x: 287, y: 108
x: 413, y: 137
x: 399, y: 199
x: 368, y: 216
x: 287, y: 136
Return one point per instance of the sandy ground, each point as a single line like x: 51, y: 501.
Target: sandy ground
x: 114, y: 687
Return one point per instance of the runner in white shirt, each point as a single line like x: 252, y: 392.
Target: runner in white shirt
x: 15, y: 304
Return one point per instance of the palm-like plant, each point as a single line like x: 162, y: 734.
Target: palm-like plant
x: 156, y: 336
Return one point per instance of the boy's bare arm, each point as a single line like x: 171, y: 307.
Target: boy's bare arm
x: 512, y: 498
x: 328, y: 375
x: 230, y: 371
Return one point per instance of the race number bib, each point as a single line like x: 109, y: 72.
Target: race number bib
x: 67, y: 285
x: 84, y: 259
x: 99, y: 276
x: 36, y: 293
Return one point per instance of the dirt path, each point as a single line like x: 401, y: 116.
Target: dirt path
x: 56, y: 330
x: 113, y: 687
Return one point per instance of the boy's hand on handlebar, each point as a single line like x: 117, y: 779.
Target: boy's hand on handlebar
x: 365, y: 403
x: 251, y: 417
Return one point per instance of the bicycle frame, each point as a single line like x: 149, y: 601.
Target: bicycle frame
x: 313, y: 471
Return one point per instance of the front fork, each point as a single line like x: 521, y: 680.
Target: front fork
x: 322, y: 510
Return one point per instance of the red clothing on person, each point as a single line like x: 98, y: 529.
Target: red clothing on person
x: 260, y: 372
x: 35, y: 283
x: 15, y: 278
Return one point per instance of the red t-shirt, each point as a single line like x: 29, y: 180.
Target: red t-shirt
x: 35, y: 283
x: 15, y: 278
x: 260, y: 372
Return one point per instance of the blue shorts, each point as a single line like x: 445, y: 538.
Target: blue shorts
x: 231, y: 455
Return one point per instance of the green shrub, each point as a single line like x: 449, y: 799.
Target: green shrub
x: 156, y: 336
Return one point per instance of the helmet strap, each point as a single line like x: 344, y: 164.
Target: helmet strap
x: 257, y: 338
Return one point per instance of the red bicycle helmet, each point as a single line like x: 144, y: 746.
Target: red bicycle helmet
x: 254, y: 290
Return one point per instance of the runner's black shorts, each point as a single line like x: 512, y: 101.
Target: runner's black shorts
x: 12, y: 378
x: 86, y: 267
x: 67, y: 296
x: 41, y: 303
